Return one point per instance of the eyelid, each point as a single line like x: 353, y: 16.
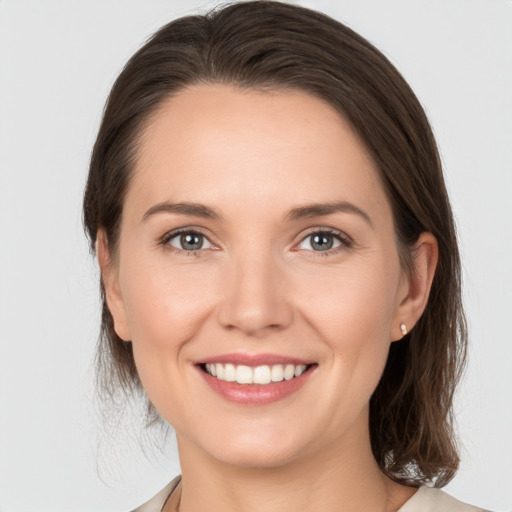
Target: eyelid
x: 346, y: 241
x: 169, y: 235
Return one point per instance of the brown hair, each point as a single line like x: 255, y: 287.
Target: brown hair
x: 273, y: 45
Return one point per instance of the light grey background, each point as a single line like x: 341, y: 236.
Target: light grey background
x: 58, y: 60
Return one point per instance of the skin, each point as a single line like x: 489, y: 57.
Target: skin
x: 258, y: 286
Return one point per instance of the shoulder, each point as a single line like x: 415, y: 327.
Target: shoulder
x: 426, y: 499
x: 429, y: 499
x: 156, y: 503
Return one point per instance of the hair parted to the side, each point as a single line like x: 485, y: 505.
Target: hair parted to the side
x: 271, y: 45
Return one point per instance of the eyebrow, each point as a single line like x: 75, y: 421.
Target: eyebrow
x: 320, y: 209
x: 298, y: 213
x: 183, y: 208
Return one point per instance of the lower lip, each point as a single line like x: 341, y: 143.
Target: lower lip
x: 256, y: 394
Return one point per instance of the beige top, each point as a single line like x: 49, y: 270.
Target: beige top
x: 426, y: 499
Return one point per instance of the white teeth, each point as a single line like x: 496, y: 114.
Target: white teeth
x: 230, y: 373
x: 262, y: 375
x: 244, y: 374
x: 277, y: 373
x: 289, y: 372
x: 299, y: 370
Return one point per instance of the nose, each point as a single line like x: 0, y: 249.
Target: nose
x: 254, y: 298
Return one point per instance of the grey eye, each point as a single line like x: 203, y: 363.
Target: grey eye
x: 190, y: 241
x: 320, y: 242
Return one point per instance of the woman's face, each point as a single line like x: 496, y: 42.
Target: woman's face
x: 256, y: 237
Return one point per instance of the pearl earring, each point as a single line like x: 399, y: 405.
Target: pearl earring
x: 403, y: 328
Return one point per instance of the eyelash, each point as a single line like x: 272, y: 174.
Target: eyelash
x: 164, y: 241
x: 345, y: 240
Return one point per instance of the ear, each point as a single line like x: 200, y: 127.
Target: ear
x: 110, y: 280
x: 415, y: 289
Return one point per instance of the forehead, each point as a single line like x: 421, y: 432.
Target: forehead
x: 218, y: 143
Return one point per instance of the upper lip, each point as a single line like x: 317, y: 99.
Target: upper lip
x: 254, y: 359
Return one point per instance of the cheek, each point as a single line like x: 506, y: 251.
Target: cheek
x: 166, y: 306
x: 353, y: 302
x: 163, y: 302
x: 352, y: 311
x: 344, y: 312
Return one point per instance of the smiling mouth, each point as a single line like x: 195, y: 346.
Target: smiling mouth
x: 259, y: 375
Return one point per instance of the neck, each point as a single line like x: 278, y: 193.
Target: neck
x: 344, y: 477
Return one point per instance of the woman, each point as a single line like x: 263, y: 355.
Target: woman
x: 280, y: 272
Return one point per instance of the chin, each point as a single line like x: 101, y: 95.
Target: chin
x: 259, y: 449
x: 257, y: 456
